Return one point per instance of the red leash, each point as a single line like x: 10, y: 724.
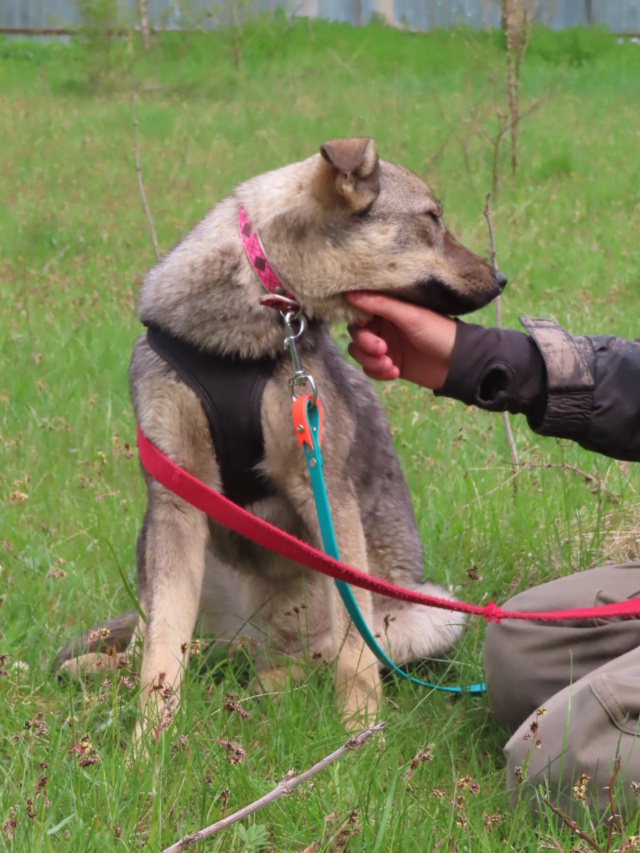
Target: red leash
x: 222, y: 510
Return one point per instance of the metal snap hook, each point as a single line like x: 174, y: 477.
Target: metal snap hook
x: 298, y: 376
x: 303, y: 379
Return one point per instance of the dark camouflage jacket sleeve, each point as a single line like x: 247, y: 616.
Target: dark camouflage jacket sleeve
x: 586, y: 389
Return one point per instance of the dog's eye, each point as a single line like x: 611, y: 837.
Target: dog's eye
x: 433, y: 216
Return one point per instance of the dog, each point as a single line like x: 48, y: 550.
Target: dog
x: 338, y: 221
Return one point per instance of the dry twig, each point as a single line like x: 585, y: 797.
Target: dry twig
x: 573, y: 826
x: 281, y: 790
x: 505, y: 415
x: 143, y: 195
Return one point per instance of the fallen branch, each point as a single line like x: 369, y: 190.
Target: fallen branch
x: 134, y: 119
x: 505, y: 415
x: 282, y: 789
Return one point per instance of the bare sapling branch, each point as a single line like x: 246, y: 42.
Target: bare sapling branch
x: 517, y: 16
x: 143, y: 195
x: 505, y: 415
x: 282, y: 789
x: 492, y: 236
x: 506, y: 123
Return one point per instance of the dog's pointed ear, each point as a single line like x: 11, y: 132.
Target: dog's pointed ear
x: 351, y: 156
x: 350, y: 173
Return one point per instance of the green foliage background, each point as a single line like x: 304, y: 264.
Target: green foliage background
x: 213, y: 110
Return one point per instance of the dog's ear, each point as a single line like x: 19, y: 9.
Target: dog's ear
x: 349, y: 174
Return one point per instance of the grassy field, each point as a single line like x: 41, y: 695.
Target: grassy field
x: 74, y: 244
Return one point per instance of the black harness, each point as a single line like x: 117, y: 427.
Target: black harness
x: 230, y: 391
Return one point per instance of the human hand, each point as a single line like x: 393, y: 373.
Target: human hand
x: 401, y: 340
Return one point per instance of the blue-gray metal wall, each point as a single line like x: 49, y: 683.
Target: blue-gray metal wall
x: 621, y: 16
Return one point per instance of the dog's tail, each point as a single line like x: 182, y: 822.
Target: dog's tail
x: 102, y: 641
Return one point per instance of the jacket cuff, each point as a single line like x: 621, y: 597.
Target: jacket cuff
x: 570, y: 371
x: 496, y: 369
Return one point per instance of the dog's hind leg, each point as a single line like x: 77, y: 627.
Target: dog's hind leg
x: 357, y: 672
x: 357, y: 676
x: 406, y: 632
x: 413, y: 632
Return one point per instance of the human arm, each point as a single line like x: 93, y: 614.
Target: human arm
x: 583, y: 388
x: 495, y: 369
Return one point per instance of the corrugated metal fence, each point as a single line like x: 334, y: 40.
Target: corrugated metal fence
x: 621, y: 16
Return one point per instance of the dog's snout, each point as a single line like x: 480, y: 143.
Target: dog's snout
x: 500, y: 279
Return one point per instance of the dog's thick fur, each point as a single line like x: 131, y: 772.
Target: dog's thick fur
x: 341, y: 220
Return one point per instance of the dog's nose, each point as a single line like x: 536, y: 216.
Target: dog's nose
x: 500, y: 279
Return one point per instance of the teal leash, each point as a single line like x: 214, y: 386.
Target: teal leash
x: 313, y: 457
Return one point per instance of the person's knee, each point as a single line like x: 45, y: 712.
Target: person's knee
x: 581, y: 734
x: 513, y: 659
x: 529, y: 661
x: 507, y: 675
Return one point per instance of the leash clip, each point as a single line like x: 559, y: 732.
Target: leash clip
x: 298, y: 376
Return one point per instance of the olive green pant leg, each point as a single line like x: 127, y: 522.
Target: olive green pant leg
x: 587, y: 677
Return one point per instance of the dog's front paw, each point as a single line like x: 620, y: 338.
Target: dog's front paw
x: 359, y: 698
x: 275, y: 679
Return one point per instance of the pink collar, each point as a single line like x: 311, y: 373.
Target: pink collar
x: 279, y: 297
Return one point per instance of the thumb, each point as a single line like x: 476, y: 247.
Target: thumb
x: 401, y: 314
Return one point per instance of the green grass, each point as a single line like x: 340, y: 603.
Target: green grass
x: 74, y: 245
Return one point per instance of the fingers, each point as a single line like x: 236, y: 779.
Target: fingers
x: 379, y: 367
x: 370, y: 351
x: 389, y: 376
x: 366, y: 340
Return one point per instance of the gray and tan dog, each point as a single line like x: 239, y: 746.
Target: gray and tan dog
x: 338, y: 221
